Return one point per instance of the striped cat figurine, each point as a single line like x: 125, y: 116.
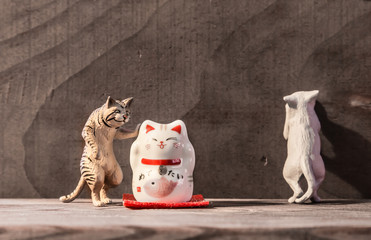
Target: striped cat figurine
x: 99, y: 167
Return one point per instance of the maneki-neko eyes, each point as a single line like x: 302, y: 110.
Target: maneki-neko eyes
x: 172, y: 138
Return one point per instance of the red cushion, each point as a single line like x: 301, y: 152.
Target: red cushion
x: 196, y: 201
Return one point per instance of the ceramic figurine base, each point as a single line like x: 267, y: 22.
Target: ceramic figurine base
x: 196, y: 201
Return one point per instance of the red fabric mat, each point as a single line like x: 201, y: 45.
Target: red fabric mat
x: 196, y: 201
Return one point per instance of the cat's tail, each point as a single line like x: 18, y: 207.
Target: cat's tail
x: 70, y: 197
x: 307, y: 168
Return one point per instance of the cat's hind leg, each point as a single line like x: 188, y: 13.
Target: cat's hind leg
x: 95, y: 182
x: 292, y: 176
x: 319, y: 173
x: 112, y: 180
x: 103, y: 194
x: 315, y: 198
x: 298, y: 192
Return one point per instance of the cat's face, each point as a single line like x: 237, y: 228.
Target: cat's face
x: 116, y: 112
x: 162, y: 139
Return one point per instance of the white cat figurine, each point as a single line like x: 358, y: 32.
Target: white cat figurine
x: 301, y: 131
x: 162, y: 160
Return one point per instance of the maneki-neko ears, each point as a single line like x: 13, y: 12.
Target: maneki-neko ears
x: 149, y: 128
x: 177, y: 129
x: 177, y: 126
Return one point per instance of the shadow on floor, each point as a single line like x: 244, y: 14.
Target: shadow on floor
x: 226, y: 203
x: 339, y: 202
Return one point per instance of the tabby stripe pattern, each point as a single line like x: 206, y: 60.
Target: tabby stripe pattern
x: 109, y: 115
x: 100, y: 117
x: 88, y: 132
x: 86, y: 170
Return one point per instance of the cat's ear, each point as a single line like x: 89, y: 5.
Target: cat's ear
x: 291, y: 100
x: 110, y: 101
x: 177, y: 129
x: 149, y: 128
x: 127, y: 102
x: 312, y: 95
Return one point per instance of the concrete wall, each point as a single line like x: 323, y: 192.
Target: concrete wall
x: 220, y: 66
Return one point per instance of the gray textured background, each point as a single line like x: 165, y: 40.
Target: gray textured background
x: 220, y: 66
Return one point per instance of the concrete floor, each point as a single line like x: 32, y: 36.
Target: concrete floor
x: 225, y: 219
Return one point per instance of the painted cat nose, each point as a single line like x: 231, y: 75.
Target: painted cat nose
x: 162, y: 145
